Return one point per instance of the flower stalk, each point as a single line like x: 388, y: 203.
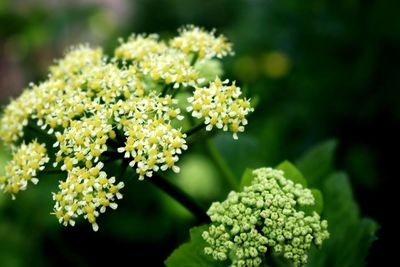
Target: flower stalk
x: 222, y: 166
x: 180, y: 196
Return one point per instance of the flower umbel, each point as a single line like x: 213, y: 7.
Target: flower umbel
x: 205, y: 44
x: 27, y: 161
x: 263, y: 217
x: 220, y: 106
x: 87, y: 191
x: 94, y: 111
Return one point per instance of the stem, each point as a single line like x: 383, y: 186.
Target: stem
x: 109, y: 159
x: 165, y: 89
x: 113, y: 143
x: 194, y: 59
x: 120, y: 138
x: 111, y: 154
x: 54, y: 171
x: 180, y: 196
x: 195, y: 129
x: 39, y: 131
x: 223, y: 167
x: 124, y: 166
x: 176, y: 91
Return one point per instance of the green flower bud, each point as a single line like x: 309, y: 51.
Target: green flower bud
x: 270, y: 204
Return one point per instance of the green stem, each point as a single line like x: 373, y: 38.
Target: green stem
x: 39, y: 131
x: 195, y: 129
x: 166, y: 89
x: 109, y: 159
x: 180, y: 196
x: 120, y: 138
x: 124, y: 167
x: 111, y: 154
x: 176, y: 91
x: 53, y: 171
x: 194, y: 59
x: 113, y: 143
x: 223, y: 167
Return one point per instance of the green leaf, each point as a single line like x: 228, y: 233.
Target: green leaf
x: 350, y: 235
x: 319, y: 200
x: 318, y: 205
x: 246, y: 152
x: 292, y: 173
x: 247, y: 178
x: 191, y: 254
x: 317, y: 163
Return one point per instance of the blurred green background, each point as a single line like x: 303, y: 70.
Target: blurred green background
x: 320, y: 69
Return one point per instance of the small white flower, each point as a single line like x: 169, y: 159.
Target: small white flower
x: 220, y: 106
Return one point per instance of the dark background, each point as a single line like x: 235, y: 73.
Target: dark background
x: 320, y: 69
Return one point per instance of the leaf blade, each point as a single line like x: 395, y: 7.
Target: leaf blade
x: 292, y: 173
x: 317, y: 163
x: 246, y: 179
x: 191, y: 254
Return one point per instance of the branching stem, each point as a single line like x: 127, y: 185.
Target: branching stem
x: 222, y: 166
x: 179, y: 195
x: 195, y: 129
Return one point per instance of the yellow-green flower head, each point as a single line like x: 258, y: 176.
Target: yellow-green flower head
x: 94, y: 110
x: 220, y: 106
x: 172, y: 67
x: 86, y: 192
x: 151, y: 140
x: 201, y: 42
x: 140, y: 46
x: 263, y: 217
x: 16, y: 116
x: 82, y: 142
x: 153, y: 146
x: 78, y: 59
x: 27, y: 161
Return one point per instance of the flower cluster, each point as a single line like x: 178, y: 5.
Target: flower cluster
x: 86, y: 191
x: 196, y: 40
x: 172, y: 67
x: 264, y: 216
x: 138, y: 47
x: 27, y: 161
x: 77, y: 60
x: 83, y: 142
x: 221, y: 106
x: 158, y: 61
x: 93, y: 109
x: 16, y: 116
x: 152, y: 142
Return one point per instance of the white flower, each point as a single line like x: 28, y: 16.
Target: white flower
x: 221, y: 106
x: 87, y: 192
x: 26, y: 161
x: 196, y: 40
